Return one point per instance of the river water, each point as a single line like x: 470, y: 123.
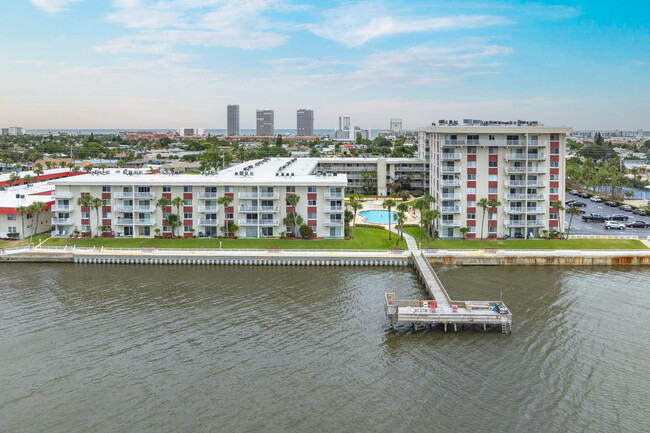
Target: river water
x: 235, y: 349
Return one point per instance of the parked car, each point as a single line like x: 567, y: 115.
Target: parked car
x: 641, y: 212
x: 574, y: 192
x: 579, y: 204
x: 570, y: 202
x: 593, y: 217
x: 618, y: 217
x: 614, y: 225
x: 610, y: 203
x: 625, y: 207
x: 583, y: 195
x: 596, y: 199
x: 639, y: 224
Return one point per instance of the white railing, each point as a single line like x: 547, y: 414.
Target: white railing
x: 248, y: 209
x: 123, y: 194
x: 524, y: 156
x: 123, y: 208
x: 61, y: 208
x: 63, y: 194
x: 269, y: 222
x: 333, y: 223
x: 447, y: 182
x: 450, y: 209
x: 450, y: 196
x: 454, y: 169
x: 521, y: 209
x: 208, y: 195
x: 500, y: 143
x: 144, y: 222
x: 147, y: 195
x: 535, y: 196
x: 530, y: 183
x: 62, y: 221
x: 524, y: 223
x: 451, y: 156
x: 450, y: 223
x: 208, y: 208
x: 270, y: 195
x: 124, y: 221
x: 333, y: 195
x: 247, y: 195
x: 532, y: 170
x: 333, y: 208
x: 211, y: 222
x: 247, y: 222
x: 272, y: 209
x: 515, y: 196
x: 145, y: 209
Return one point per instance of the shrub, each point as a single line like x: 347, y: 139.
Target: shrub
x: 13, y: 235
x: 370, y: 226
x: 306, y: 232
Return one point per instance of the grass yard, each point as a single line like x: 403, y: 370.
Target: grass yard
x: 528, y: 244
x: 36, y: 239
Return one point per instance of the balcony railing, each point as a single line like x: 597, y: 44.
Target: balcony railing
x: 62, y: 208
x: 450, y: 223
x: 208, y: 195
x: 454, y: 169
x: 208, y: 208
x: 334, y: 223
x: 447, y: 182
x: 144, y: 222
x: 535, y: 196
x: 248, y: 209
x: 124, y: 221
x: 450, y: 196
x: 63, y: 194
x: 248, y: 195
x: 123, y: 194
x: 334, y: 208
x: 247, y: 222
x: 145, y: 208
x: 123, y: 208
x: 529, y: 183
x: 147, y: 195
x: 524, y: 223
x: 450, y: 209
x: 515, y: 196
x: 270, y: 195
x: 532, y: 170
x: 210, y: 222
x: 451, y: 156
x: 62, y: 221
x: 522, y: 209
x: 499, y: 143
x: 269, y: 222
x: 524, y: 156
x: 334, y: 195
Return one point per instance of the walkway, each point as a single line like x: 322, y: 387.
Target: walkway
x: 411, y: 243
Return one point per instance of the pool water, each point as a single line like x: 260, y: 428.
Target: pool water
x: 378, y: 216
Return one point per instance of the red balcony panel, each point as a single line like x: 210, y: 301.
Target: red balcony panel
x: 187, y: 209
x: 471, y: 210
x: 106, y: 208
x: 555, y: 158
x: 312, y: 223
x: 167, y: 195
x: 554, y: 197
x: 106, y: 222
x: 312, y: 209
x: 471, y: 235
x: 471, y: 197
x: 555, y: 184
x: 187, y: 223
x: 471, y: 223
x: 312, y: 196
x: 106, y: 196
x: 493, y: 170
x: 471, y: 184
x: 289, y: 209
x: 471, y: 157
x: 187, y: 196
x: 554, y: 223
x: 471, y: 170
x: 493, y: 157
x: 555, y: 171
x: 493, y: 184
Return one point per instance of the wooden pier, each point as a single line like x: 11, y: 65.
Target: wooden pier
x: 441, y: 310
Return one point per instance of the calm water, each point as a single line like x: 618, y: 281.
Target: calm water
x: 170, y: 349
x: 378, y: 216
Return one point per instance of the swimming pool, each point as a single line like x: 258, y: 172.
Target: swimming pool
x: 378, y: 216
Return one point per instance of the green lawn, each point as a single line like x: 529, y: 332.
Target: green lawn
x: 528, y: 244
x: 365, y: 238
x: 36, y: 239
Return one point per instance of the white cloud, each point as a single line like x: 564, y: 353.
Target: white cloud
x: 354, y: 25
x: 52, y: 5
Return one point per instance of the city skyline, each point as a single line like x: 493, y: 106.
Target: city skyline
x: 147, y: 64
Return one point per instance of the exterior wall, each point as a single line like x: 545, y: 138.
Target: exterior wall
x: 265, y: 123
x: 44, y: 223
x: 305, y: 122
x: 233, y: 119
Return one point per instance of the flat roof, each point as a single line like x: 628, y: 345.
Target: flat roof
x: 263, y: 172
x: 34, y: 192
x: 357, y: 160
x: 4, y: 177
x: 498, y: 129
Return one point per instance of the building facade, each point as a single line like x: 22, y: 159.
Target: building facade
x: 343, y: 132
x: 258, y: 190
x: 396, y: 125
x: 520, y: 166
x: 19, y: 224
x: 305, y: 122
x: 13, y: 130
x: 190, y: 132
x: 233, y: 120
x: 265, y: 125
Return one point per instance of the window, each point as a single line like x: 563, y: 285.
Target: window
x: 11, y: 217
x: 187, y: 229
x: 472, y: 229
x: 85, y: 229
x: 555, y: 151
x: 493, y: 190
x: 493, y: 177
x: 471, y: 190
x: 471, y: 203
x: 187, y: 202
x: 230, y: 216
x: 471, y: 150
x: 11, y: 230
x: 187, y: 215
x: 228, y: 189
x: 311, y: 202
x: 471, y: 164
x: 554, y: 190
x: 167, y: 189
x: 493, y: 164
x: 312, y: 216
x: 492, y: 216
x: 494, y: 150
x: 491, y: 137
x: 107, y: 202
x: 187, y: 189
x: 85, y: 215
x: 471, y: 177
x: 555, y: 164
x: 471, y: 216
x: 106, y: 215
x: 492, y: 229
x: 311, y: 189
x: 106, y: 189
x: 291, y: 189
x: 553, y: 216
x: 555, y: 137
x: 555, y: 176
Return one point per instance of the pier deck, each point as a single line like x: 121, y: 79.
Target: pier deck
x: 441, y: 309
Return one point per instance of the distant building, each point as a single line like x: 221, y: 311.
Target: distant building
x: 190, y: 132
x: 396, y: 125
x: 343, y: 132
x: 265, y: 123
x: 305, y: 122
x: 5, y: 131
x: 233, y: 120
x: 13, y: 130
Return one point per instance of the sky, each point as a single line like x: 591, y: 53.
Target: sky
x: 82, y: 64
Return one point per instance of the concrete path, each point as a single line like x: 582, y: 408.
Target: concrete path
x: 411, y: 243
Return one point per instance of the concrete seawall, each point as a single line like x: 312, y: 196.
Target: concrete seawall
x: 539, y: 257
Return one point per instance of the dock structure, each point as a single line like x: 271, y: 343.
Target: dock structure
x: 441, y: 310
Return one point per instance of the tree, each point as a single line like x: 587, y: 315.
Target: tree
x: 89, y: 168
x: 355, y: 205
x: 85, y: 201
x: 36, y: 209
x: 178, y: 202
x: 293, y: 200
x: 96, y: 203
x: 463, y: 232
x: 388, y: 204
x: 38, y: 170
x: 278, y: 140
x: 571, y: 210
x: 22, y: 211
x: 402, y: 209
x: 14, y: 178
x: 162, y: 203
x: 27, y: 179
x: 369, y: 181
x: 225, y: 202
x: 172, y: 221
x: 493, y: 204
x: 483, y: 204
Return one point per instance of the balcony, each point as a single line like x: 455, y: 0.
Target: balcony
x: 208, y: 222
x: 450, y: 196
x: 531, y: 170
x: 450, y: 209
x: 247, y: 195
x: 123, y: 194
x: 208, y: 208
x: 451, y: 156
x: 528, y: 183
x: 536, y: 197
x: 537, y: 170
x: 123, y: 208
x: 145, y: 195
x: 538, y: 209
x: 124, y: 221
x: 450, y: 142
x: 334, y: 209
x: 334, y: 223
x: 266, y: 222
x: 247, y: 222
x: 500, y: 143
x: 248, y: 209
x: 524, y: 223
x: 450, y: 223
x: 334, y: 195
x: 62, y: 208
x: 515, y: 196
x: 522, y: 209
x: 144, y: 222
x: 448, y: 169
x: 525, y: 156
x: 145, y: 208
x: 270, y: 195
x: 61, y: 221
x: 63, y: 194
x: 452, y: 182
x: 208, y: 195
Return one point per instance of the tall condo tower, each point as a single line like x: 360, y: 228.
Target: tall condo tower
x: 233, y: 120
x: 265, y: 122
x: 305, y: 125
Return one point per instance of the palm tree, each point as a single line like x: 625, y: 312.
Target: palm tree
x: 493, y: 204
x: 27, y: 179
x: 14, y: 178
x: 22, y: 211
x: 402, y: 209
x: 483, y: 204
x: 178, y: 202
x: 421, y: 206
x: 35, y: 209
x: 38, y: 170
x: 435, y: 214
x: 89, y: 168
x: 172, y: 221
x: 225, y: 202
x: 96, y: 203
x: 388, y: 204
x: 84, y: 201
x: 293, y: 200
x: 48, y: 164
x: 571, y: 210
x: 76, y: 169
x: 355, y: 205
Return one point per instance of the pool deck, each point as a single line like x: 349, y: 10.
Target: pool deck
x: 412, y: 217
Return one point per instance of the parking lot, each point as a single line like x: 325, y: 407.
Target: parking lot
x: 579, y: 227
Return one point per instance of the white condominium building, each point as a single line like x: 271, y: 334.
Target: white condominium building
x: 520, y: 166
x: 21, y: 225
x: 258, y: 190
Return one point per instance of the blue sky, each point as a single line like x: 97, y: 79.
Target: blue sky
x: 167, y: 63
